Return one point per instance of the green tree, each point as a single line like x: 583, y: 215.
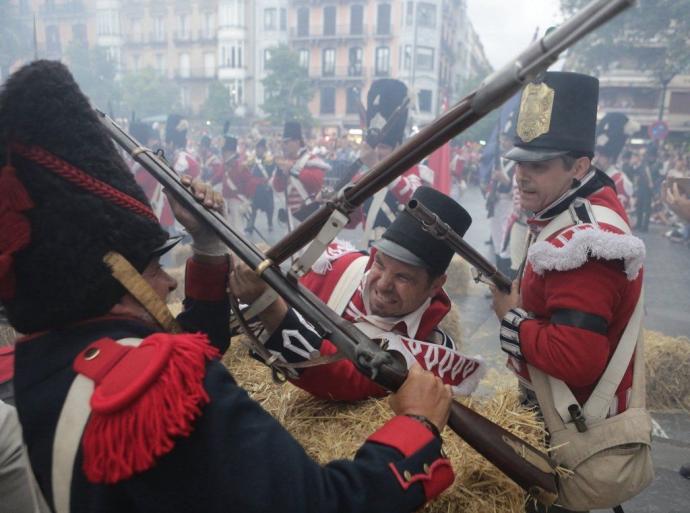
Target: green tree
x: 652, y: 36
x: 287, y: 88
x: 219, y: 106
x: 15, y: 36
x: 146, y: 93
x: 95, y: 73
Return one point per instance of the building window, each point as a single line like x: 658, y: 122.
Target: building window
x: 209, y: 65
x: 185, y: 71
x: 329, y: 20
x: 426, y: 15
x: 184, y: 97
x: 283, y: 18
x: 406, y: 57
x: 236, y: 90
x: 328, y: 100
x: 53, y: 40
x: 208, y: 30
x: 267, y: 57
x: 353, y: 101
x: 425, y: 58
x: 354, y: 63
x: 79, y: 34
x: 270, y: 21
x: 409, y: 15
x: 136, y: 34
x: 231, y: 13
x: 357, y: 19
x: 161, y: 64
x: 159, y: 28
x: 424, y: 100
x: 680, y: 103
x: 382, y: 60
x: 183, y: 29
x: 303, y: 21
x: 304, y: 58
x: 328, y: 62
x: 108, y: 23
x: 383, y: 19
x: 232, y: 54
x: 135, y: 62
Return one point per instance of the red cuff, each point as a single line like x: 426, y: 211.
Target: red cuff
x: 206, y: 282
x: 405, y: 434
x: 437, y: 477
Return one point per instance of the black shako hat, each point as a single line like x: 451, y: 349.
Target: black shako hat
x: 557, y: 116
x: 407, y: 241
x: 293, y: 130
x: 383, y: 98
x: 69, y: 198
x: 229, y: 143
x: 176, y: 131
x: 612, y: 133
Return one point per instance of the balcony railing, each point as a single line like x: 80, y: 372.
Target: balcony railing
x: 196, y: 74
x: 340, y: 32
x: 341, y: 73
x: 183, y: 36
x: 157, y: 38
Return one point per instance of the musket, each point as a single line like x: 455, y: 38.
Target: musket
x: 521, y: 462
x: 494, y: 90
x: 436, y: 227
x: 527, y: 466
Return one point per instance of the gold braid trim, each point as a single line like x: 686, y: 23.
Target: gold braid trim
x: 138, y: 287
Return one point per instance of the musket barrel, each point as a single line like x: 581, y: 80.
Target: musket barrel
x: 434, y: 225
x: 495, y: 90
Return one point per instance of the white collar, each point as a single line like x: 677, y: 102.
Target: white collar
x: 412, y: 320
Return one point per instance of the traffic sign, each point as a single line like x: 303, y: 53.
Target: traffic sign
x: 658, y: 130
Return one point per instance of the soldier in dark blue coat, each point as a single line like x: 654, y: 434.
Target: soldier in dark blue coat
x: 124, y: 408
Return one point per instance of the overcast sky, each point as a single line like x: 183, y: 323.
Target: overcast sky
x: 505, y: 27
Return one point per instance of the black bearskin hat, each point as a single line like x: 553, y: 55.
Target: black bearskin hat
x: 407, y: 240
x: 176, y: 131
x: 66, y: 199
x: 383, y: 98
x: 292, y: 130
x: 612, y: 133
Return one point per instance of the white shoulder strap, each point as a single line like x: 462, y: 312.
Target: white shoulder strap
x: 70, y: 427
x: 567, y: 218
x: 347, y: 285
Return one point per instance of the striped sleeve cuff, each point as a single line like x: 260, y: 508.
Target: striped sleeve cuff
x: 510, y: 331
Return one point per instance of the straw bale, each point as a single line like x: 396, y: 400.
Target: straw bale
x: 459, y: 277
x: 331, y: 430
x: 7, y: 335
x: 668, y: 367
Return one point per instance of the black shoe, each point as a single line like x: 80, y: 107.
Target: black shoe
x: 685, y: 471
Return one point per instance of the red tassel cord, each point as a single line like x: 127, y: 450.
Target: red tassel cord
x: 119, y: 444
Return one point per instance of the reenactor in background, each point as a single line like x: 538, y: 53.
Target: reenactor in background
x: 180, y: 159
x: 612, y: 133
x: 211, y: 165
x: 299, y: 174
x: 384, y: 97
x: 261, y: 168
x: 146, y: 135
x: 235, y: 181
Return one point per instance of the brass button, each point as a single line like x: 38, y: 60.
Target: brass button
x: 91, y: 353
x: 426, y: 468
x: 407, y: 475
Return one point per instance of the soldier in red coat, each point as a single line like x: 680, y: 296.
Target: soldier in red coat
x: 582, y: 277
x: 182, y: 161
x: 299, y: 176
x: 394, y: 294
